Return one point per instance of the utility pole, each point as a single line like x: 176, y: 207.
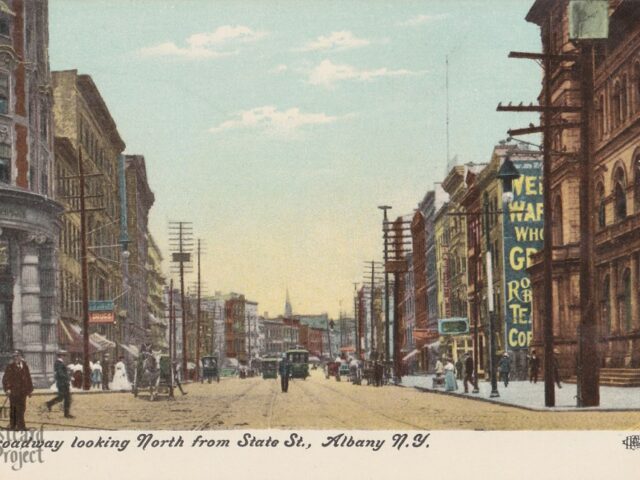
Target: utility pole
x: 397, y: 265
x: 84, y: 260
x: 588, y: 372
x: 371, y: 278
x: 181, y: 238
x: 86, y: 370
x: 490, y: 309
x: 547, y: 129
x: 385, y: 220
x: 198, y: 320
x: 356, y: 319
x: 171, y: 352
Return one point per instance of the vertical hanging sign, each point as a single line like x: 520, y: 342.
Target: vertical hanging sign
x: 523, y: 236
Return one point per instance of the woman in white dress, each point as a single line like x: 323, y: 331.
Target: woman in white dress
x: 120, y: 379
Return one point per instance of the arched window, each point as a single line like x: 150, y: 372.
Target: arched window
x: 600, y: 116
x: 636, y: 183
x: 616, y: 105
x: 619, y: 195
x: 602, y: 206
x: 636, y: 84
x: 626, y: 300
x: 557, y: 222
x: 624, y: 94
x: 605, y: 305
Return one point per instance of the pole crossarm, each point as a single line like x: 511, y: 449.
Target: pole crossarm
x: 541, y: 129
x: 538, y: 108
x: 544, y: 56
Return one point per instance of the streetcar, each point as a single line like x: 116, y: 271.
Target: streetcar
x: 210, y: 369
x: 298, y: 360
x: 269, y: 368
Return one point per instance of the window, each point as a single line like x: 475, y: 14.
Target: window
x: 636, y: 191
x: 600, y: 116
x: 619, y: 194
x: 5, y: 163
x: 626, y: 300
x: 557, y: 234
x: 623, y: 99
x: 605, y: 305
x: 636, y: 84
x: 5, y: 25
x: 601, y: 204
x: 616, y: 102
x: 4, y: 93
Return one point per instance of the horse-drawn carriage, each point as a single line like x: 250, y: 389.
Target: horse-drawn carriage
x: 153, y: 372
x: 210, y: 370
x: 332, y: 369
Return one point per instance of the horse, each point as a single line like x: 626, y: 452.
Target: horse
x: 150, y: 374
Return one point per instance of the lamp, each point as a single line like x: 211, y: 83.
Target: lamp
x: 507, y: 173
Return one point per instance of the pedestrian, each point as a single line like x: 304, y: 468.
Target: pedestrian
x: 504, y: 367
x: 459, y: 368
x: 120, y: 379
x: 469, y: 376
x: 96, y: 376
x: 534, y: 367
x: 285, y: 371
x: 17, y: 384
x: 76, y: 373
x: 106, y: 372
x: 176, y: 376
x: 556, y: 367
x: 63, y: 381
x: 439, y: 368
x: 450, y: 383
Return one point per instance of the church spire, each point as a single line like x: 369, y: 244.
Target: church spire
x: 288, y: 311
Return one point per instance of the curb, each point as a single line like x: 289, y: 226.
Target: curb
x: 523, y: 407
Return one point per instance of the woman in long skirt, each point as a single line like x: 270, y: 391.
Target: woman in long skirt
x: 450, y: 383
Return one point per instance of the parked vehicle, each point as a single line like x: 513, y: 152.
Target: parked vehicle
x: 153, y: 372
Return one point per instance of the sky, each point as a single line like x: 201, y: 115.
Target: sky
x: 277, y: 127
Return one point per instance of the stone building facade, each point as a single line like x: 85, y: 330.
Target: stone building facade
x: 615, y: 132
x: 86, y: 132
x: 29, y: 217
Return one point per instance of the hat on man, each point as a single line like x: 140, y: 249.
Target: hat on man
x: 17, y: 353
x: 61, y: 352
x: 505, y: 354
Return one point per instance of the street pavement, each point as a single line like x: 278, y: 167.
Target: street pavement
x: 531, y: 395
x: 315, y: 403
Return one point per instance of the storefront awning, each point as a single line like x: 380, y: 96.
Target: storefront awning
x: 411, y: 354
x: 131, y: 349
x: 71, y: 338
x: 102, y: 341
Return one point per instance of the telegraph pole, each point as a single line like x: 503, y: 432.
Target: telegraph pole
x: 198, y: 321
x: 86, y: 370
x: 181, y: 234
x: 547, y: 129
x: 588, y: 374
x: 384, y: 209
x: 356, y: 318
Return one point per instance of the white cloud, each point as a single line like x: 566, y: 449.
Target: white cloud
x: 335, y: 41
x: 421, y: 20
x: 273, y: 121
x: 206, y: 45
x: 327, y: 73
x: 279, y: 69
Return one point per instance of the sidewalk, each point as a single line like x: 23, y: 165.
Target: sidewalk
x: 523, y: 394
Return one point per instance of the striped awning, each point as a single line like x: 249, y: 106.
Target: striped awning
x: 410, y: 355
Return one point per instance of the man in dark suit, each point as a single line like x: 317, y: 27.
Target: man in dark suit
x: 285, y: 372
x: 18, y: 386
x: 62, y: 383
x: 468, y: 374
